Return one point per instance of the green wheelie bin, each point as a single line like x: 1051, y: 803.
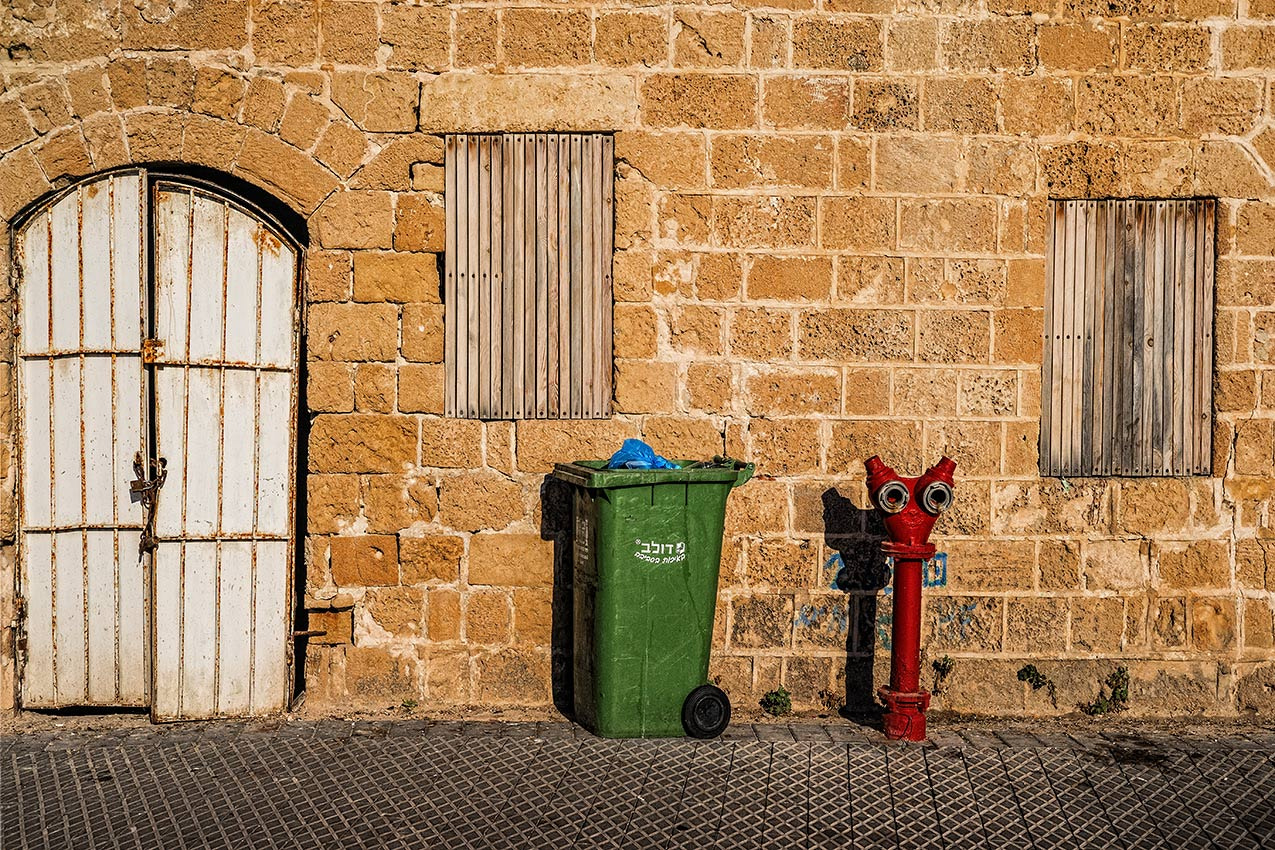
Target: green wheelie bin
x: 647, y: 551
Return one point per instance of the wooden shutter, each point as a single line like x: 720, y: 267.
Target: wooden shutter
x: 528, y: 276
x: 1127, y: 387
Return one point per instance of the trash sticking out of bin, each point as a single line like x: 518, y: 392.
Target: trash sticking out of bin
x: 635, y: 454
x: 647, y: 552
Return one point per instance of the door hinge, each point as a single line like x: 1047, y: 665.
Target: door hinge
x: 152, y: 350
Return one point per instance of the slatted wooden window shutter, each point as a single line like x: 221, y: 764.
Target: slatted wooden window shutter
x: 1127, y: 388
x: 528, y: 275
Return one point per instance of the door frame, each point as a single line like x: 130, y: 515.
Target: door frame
x: 291, y: 229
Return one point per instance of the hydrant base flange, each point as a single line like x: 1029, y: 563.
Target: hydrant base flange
x: 904, y: 716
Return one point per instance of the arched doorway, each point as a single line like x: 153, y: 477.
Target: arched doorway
x: 156, y: 358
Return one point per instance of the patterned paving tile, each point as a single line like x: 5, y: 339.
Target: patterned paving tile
x: 1090, y: 822
x: 656, y: 808
x: 960, y: 825
x: 915, y: 817
x: 1127, y: 810
x: 787, y: 805
x: 700, y: 812
x: 1209, y: 809
x: 1046, y: 821
x: 870, y: 801
x: 830, y: 825
x: 744, y: 809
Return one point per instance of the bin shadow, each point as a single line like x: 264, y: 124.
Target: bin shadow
x: 858, y: 569
x: 556, y: 524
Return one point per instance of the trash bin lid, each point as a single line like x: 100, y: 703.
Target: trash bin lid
x: 594, y: 475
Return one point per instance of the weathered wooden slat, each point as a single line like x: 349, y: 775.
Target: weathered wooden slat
x: 584, y: 233
x: 450, y: 257
x: 605, y: 302
x: 511, y: 345
x: 1126, y: 376
x: 541, y: 252
x: 472, y: 304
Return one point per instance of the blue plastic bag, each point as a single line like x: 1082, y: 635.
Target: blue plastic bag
x: 635, y: 454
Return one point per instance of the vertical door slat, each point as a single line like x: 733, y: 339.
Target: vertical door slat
x: 450, y: 260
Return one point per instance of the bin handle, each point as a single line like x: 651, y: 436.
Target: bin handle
x: 744, y: 473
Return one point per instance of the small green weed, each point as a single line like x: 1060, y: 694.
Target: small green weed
x: 777, y: 702
x: 1032, y: 676
x: 408, y: 704
x: 1113, y: 695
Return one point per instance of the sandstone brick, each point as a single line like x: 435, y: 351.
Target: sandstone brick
x: 477, y: 32
x: 1246, y: 283
x: 391, y: 167
x: 788, y: 392
x: 685, y: 218
x: 784, y: 446
x: 1161, y: 48
x: 953, y: 336
x: 396, y: 277
x: 200, y: 25
x: 348, y: 33
x: 465, y: 103
x: 988, y: 393
x: 353, y: 331
x: 668, y: 160
x: 341, y: 148
x: 912, y: 44
x: 934, y: 281
x: 763, y: 222
x: 838, y: 44
x: 713, y: 101
x: 895, y: 441
x: 1079, y: 46
x: 443, y: 617
x: 355, y: 220
x: 303, y: 120
x: 1259, y: 627
x: 630, y: 38
x: 337, y: 627
x: 974, y: 445
x: 708, y: 39
x: 947, y: 225
x: 1007, y: 565
x: 759, y: 621
x: 917, y: 164
x: 281, y: 167
x: 865, y: 224
x: 995, y: 44
x: 1097, y: 624
x: 380, y: 674
x: 487, y: 618
x: 1001, y: 168
x: 398, y: 610
x: 362, y: 443
x: 867, y: 392
x: 1201, y: 564
x: 395, y: 502
x: 635, y: 330
x: 510, y: 560
x: 1254, y: 446
x: 643, y: 386
x: 845, y: 335
x: 781, y: 563
x: 924, y: 392
x: 885, y: 105
x: 374, y: 388
x: 962, y: 105
x: 15, y: 130
x: 1255, y: 564
x: 454, y: 443
x: 1152, y: 505
x: 417, y: 37
x: 790, y: 278
x: 420, y: 225
x: 965, y: 623
x: 1115, y: 565
x: 801, y: 102
x: 1033, y: 625
x: 542, y: 443
x: 1058, y: 562
x: 435, y: 557
x: 1125, y: 105
x: 1224, y: 106
x: 513, y: 675
x: 683, y: 438
x: 64, y: 154
x: 127, y: 80
x: 205, y: 141
x: 152, y: 135
x: 87, y: 90
x: 423, y: 331
x: 533, y: 616
x: 870, y: 280
x: 1037, y: 106
x: 761, y: 334
x: 479, y: 500
x: 332, y: 502
x: 377, y: 102
x: 286, y: 32
x: 1225, y: 168
x: 264, y: 103
x: 741, y: 161
x: 364, y: 561
x: 768, y: 46
x: 1046, y: 507
x: 709, y: 387
x: 1018, y: 336
x: 1213, y: 626
x: 545, y: 37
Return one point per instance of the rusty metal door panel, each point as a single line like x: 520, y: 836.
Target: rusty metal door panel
x: 225, y: 292
x: 81, y: 411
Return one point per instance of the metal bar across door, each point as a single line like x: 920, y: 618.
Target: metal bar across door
x: 528, y: 275
x: 1127, y: 369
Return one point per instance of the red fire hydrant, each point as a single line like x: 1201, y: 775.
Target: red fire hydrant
x: 909, y: 506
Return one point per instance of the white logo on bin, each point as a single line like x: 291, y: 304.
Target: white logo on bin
x: 655, y: 552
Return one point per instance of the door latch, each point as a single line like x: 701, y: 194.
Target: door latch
x: 145, y: 489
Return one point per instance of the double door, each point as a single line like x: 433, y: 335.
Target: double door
x: 157, y: 341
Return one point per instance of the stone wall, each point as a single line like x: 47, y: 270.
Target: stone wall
x: 830, y: 238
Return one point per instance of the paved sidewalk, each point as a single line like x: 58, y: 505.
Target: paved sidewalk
x: 415, y: 784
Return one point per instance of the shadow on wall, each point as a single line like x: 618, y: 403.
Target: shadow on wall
x: 859, y: 569
x: 556, y: 525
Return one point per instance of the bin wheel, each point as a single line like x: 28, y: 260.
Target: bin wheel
x: 706, y: 712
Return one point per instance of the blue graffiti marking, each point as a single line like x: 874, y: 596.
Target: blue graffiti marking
x: 935, y: 571
x: 962, y: 617
x: 836, y: 566
x: 885, y: 629
x: 815, y: 616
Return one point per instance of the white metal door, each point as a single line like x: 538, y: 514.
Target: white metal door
x: 207, y: 632
x: 80, y: 382
x: 224, y: 396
